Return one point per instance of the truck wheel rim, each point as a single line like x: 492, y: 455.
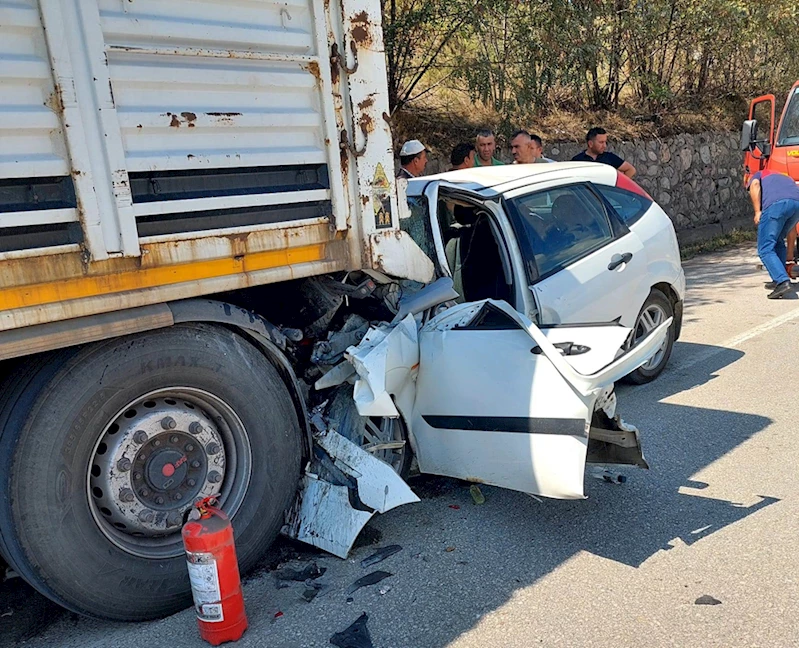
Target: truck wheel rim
x: 650, y: 318
x: 156, y: 458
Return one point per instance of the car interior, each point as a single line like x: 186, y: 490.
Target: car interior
x: 475, y: 251
x: 562, y: 226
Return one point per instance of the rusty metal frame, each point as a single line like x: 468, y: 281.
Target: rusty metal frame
x: 85, y: 101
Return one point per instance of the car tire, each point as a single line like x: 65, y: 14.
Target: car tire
x: 656, y: 309
x: 56, y: 416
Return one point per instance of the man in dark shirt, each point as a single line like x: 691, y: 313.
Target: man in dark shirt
x: 775, y: 198
x: 596, y: 142
x: 462, y: 156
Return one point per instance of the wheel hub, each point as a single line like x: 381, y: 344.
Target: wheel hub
x: 153, y: 462
x: 650, y: 318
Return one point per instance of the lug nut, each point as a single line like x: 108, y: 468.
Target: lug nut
x: 189, y: 447
x: 157, y: 443
x: 140, y: 436
x: 177, y: 497
x: 146, y: 516
x: 173, y: 439
x: 174, y: 519
x: 159, y: 500
x: 195, y: 428
x: 126, y: 495
x: 212, y: 448
x: 144, y: 492
x: 124, y: 464
x: 195, y: 464
x: 168, y: 423
x: 192, y: 482
x: 143, y: 456
x: 214, y: 477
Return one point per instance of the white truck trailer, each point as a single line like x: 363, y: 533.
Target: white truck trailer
x: 198, y: 216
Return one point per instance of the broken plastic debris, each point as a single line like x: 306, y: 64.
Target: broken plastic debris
x: 706, y: 599
x: 356, y: 636
x: 309, y: 572
x: 610, y: 476
x: 383, y: 348
x: 278, y: 614
x: 477, y: 494
x: 385, y: 590
x: 310, y: 594
x: 380, y: 555
x: 455, y: 506
x: 369, y: 579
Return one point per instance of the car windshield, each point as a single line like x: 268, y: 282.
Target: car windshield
x: 789, y: 129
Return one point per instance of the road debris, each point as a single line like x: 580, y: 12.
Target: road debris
x: 278, y: 614
x: 310, y: 594
x: 310, y: 572
x: 385, y: 590
x: 455, y: 506
x: 369, y: 579
x: 380, y: 555
x: 610, y: 476
x: 706, y: 599
x: 477, y: 494
x: 356, y: 636
x: 449, y: 549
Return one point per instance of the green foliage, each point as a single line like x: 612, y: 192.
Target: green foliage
x: 653, y: 56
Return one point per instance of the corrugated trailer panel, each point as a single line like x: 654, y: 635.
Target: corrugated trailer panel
x: 32, y: 137
x: 37, y: 197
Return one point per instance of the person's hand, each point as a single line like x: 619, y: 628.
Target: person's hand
x: 757, y: 218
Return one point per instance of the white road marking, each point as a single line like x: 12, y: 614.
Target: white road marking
x: 737, y: 341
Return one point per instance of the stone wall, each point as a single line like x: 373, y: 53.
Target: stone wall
x: 695, y: 178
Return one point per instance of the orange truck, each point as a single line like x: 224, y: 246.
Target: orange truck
x: 772, y: 145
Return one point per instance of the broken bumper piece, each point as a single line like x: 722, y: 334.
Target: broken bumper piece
x: 342, y: 489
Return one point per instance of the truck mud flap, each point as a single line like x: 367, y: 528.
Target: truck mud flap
x: 341, y: 490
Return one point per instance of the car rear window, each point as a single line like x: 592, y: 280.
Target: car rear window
x: 628, y: 205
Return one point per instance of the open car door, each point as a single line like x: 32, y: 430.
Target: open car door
x: 497, y: 402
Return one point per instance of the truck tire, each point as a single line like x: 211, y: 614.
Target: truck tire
x: 656, y: 309
x: 104, y: 448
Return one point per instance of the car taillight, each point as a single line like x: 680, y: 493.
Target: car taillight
x: 623, y: 182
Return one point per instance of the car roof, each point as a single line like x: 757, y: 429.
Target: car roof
x: 493, y: 180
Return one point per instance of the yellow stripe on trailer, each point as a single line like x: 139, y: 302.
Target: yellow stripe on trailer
x: 80, y: 287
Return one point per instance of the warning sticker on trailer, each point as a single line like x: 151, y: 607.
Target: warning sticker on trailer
x: 204, y: 578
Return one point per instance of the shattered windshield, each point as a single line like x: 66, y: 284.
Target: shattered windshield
x: 418, y: 227
x: 789, y: 129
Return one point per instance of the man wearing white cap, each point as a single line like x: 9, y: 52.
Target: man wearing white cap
x: 413, y: 158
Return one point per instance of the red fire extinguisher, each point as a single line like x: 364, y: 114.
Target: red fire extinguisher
x: 214, y: 574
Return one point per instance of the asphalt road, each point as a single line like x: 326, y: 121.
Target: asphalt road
x: 717, y: 515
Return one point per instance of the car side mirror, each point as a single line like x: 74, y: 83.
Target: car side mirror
x: 748, y: 134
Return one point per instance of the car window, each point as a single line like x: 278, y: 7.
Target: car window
x: 789, y: 129
x: 629, y: 206
x: 561, y: 225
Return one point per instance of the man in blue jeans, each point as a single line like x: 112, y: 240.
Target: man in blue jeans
x: 775, y: 198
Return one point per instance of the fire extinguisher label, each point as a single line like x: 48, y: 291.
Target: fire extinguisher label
x: 204, y: 578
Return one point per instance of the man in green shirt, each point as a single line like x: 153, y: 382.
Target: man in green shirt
x: 486, y: 146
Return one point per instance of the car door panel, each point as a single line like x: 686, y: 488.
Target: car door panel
x: 501, y: 405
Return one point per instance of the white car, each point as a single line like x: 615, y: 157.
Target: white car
x: 563, y: 243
